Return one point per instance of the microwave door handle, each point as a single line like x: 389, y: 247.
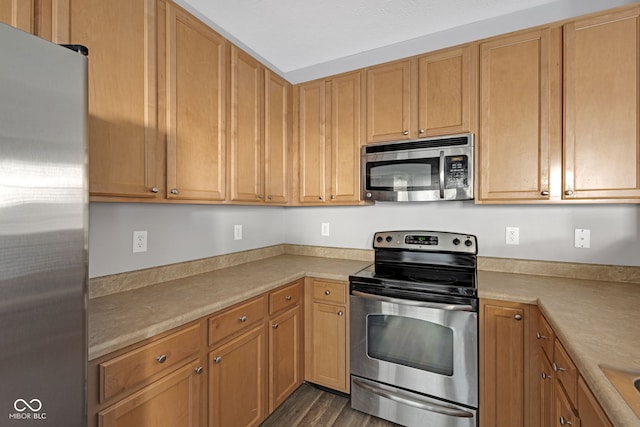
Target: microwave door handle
x: 404, y: 398
x: 442, y: 174
x: 425, y: 304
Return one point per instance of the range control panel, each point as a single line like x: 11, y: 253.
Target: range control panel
x: 427, y: 241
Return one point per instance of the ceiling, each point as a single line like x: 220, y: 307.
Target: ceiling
x: 305, y: 39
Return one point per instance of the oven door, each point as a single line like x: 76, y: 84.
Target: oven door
x: 429, y: 348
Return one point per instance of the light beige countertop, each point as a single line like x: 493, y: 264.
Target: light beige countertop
x: 597, y: 321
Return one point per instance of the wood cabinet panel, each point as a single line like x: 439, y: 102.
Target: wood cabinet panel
x: 285, y: 355
x: 236, y: 319
x: 238, y: 381
x: 245, y: 142
x: 602, y: 106
x: 194, y: 88
x: 329, y: 292
x: 18, y: 14
x: 591, y: 414
x: 286, y: 297
x: 389, y: 101
x: 277, y: 139
x: 328, y: 358
x: 122, y: 94
x: 565, y: 413
x: 517, y: 92
x: 175, y: 400
x: 311, y: 141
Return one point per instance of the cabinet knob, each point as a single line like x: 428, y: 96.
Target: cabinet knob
x: 405, y: 132
x: 260, y: 196
x: 568, y: 193
x: 275, y: 326
x: 545, y: 376
x: 540, y: 336
x: 199, y: 370
x: 333, y: 197
x: 217, y: 359
x: 564, y: 421
x: 162, y: 358
x: 544, y: 193
x: 288, y: 298
x: 421, y: 131
x: 154, y: 189
x: 269, y: 197
x: 341, y: 313
x: 174, y: 191
x: 517, y: 317
x: 243, y: 319
x: 557, y: 368
x: 327, y: 292
x: 319, y: 197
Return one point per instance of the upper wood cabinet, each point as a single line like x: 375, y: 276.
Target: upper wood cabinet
x: 602, y: 107
x: 434, y: 94
x: 330, y: 129
x: 277, y: 138
x: 122, y: 94
x: 192, y: 89
x: 48, y: 19
x: 520, y: 106
x: 245, y: 128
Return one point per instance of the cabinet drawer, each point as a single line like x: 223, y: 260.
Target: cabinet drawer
x: 332, y: 292
x: 545, y: 336
x: 235, y: 319
x: 137, y: 366
x: 566, y: 373
x: 286, y: 297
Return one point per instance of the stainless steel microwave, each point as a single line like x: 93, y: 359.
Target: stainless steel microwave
x: 426, y: 169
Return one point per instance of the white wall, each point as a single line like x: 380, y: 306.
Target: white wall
x: 179, y: 233
x: 546, y: 232
x: 176, y: 233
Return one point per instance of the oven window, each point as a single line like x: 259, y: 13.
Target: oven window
x: 404, y: 175
x: 410, y: 342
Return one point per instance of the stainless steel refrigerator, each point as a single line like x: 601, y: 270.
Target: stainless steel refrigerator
x: 43, y: 232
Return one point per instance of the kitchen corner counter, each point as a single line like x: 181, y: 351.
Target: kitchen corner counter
x: 121, y: 319
x: 598, y: 323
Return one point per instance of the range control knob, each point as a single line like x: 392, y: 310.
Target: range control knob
x: 379, y: 239
x: 456, y: 241
x: 468, y: 242
x: 389, y: 239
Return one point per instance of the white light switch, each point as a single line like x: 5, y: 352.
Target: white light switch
x: 237, y: 232
x: 324, y: 229
x: 582, y: 238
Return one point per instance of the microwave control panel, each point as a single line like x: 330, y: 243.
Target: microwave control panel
x: 456, y: 171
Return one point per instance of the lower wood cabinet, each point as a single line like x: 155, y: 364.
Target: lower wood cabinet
x: 326, y: 342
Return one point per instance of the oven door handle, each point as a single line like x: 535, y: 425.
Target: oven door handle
x: 425, y: 304
x: 411, y: 400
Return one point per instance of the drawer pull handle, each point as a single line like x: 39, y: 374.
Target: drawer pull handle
x: 557, y: 368
x: 341, y: 313
x: 243, y: 319
x: 327, y: 292
x: 545, y: 376
x: 517, y: 317
x: 162, y: 358
x: 288, y: 298
x: 540, y: 336
x: 199, y: 370
x: 564, y: 421
x: 217, y: 359
x: 275, y: 326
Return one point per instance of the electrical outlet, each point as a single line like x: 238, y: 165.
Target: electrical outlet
x: 237, y: 232
x: 139, y: 241
x: 324, y: 229
x: 512, y: 236
x: 582, y: 238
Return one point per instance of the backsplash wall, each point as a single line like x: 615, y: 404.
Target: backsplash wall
x: 178, y: 233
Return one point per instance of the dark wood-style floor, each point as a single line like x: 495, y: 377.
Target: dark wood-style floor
x: 310, y: 406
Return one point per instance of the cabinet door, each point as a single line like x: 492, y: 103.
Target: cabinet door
x: 447, y: 92
x: 238, y: 381
x: 18, y: 13
x: 520, y: 103
x: 345, y: 137
x: 285, y: 356
x: 546, y: 387
x: 245, y: 142
x: 121, y: 37
x: 175, y: 400
x: 276, y: 138
x: 194, y: 82
x: 602, y: 107
x: 503, y: 361
x: 564, y: 414
x: 328, y: 336
x: 591, y: 414
x: 389, y: 102
x: 311, y: 141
